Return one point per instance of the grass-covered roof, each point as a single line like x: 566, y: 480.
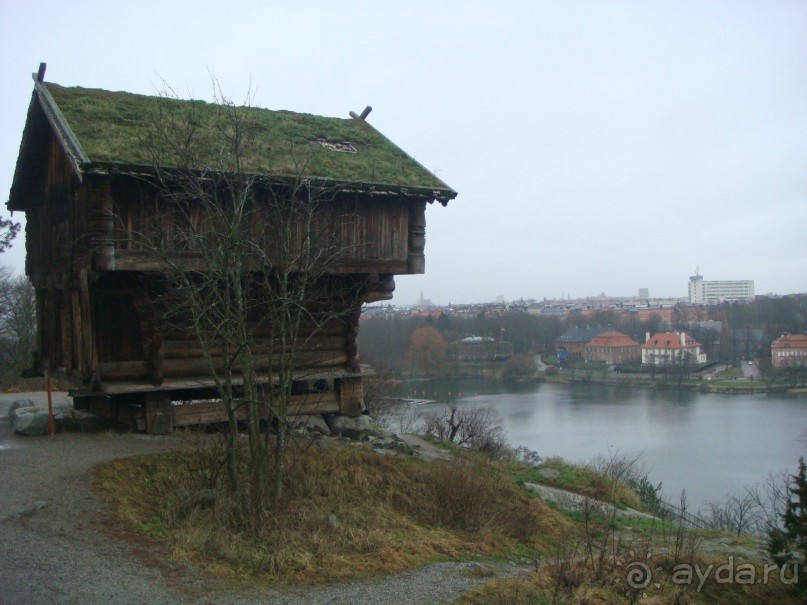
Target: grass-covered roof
x: 132, y: 130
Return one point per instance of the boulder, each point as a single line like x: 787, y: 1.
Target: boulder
x: 357, y: 428
x: 316, y: 424
x: 31, y: 422
x: 19, y: 404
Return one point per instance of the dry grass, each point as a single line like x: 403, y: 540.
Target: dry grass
x: 568, y: 576
x: 347, y: 512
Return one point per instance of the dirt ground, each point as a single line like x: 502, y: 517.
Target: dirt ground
x: 59, y: 544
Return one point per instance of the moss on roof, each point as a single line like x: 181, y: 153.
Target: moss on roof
x: 116, y: 128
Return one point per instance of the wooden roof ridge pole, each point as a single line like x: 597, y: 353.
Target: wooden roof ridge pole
x: 65, y: 135
x: 363, y: 115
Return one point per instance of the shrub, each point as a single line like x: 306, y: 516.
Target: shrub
x: 475, y: 428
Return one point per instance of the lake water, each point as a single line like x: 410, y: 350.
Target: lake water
x: 708, y: 444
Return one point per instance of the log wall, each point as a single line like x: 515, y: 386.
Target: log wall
x: 100, y: 291
x: 366, y: 235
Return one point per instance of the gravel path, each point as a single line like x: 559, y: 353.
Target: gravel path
x: 59, y: 544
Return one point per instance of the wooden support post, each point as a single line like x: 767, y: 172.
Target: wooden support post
x: 351, y: 337
x: 159, y: 419
x: 351, y: 396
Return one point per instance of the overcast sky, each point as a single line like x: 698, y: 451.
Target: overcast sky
x: 597, y: 147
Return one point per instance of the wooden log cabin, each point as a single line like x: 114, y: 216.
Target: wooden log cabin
x: 89, y: 183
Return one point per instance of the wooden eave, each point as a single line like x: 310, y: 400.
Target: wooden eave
x: 22, y: 189
x: 41, y: 99
x: 449, y: 194
x: 430, y: 194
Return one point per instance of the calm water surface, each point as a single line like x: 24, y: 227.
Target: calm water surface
x: 708, y: 444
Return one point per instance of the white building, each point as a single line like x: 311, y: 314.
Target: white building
x: 713, y: 292
x: 668, y: 348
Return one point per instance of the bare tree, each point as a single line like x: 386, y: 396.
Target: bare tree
x: 475, y: 428
x: 8, y: 231
x: 736, y: 514
x: 757, y: 511
x: 17, y: 324
x: 245, y: 265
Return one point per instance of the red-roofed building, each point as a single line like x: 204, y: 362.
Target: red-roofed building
x: 789, y: 350
x: 669, y: 347
x: 612, y: 347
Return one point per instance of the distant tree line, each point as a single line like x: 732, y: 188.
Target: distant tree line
x: 397, y: 343
x: 746, y: 330
x: 17, y: 326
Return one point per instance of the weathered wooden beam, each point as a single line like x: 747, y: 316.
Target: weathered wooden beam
x: 192, y: 367
x: 184, y: 349
x: 328, y: 327
x: 139, y: 260
x: 209, y: 412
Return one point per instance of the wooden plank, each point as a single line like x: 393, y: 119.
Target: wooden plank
x: 181, y: 349
x: 313, y: 359
x: 140, y: 260
x: 102, y: 223
x: 88, y: 337
x: 330, y: 326
x: 126, y: 387
x: 125, y: 370
x: 207, y: 412
x: 417, y: 238
x: 197, y: 366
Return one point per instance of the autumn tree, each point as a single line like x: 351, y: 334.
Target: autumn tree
x: 427, y: 349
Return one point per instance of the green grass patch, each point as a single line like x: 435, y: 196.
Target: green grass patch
x: 123, y: 128
x: 556, y: 472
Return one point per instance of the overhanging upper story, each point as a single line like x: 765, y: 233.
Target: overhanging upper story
x: 88, y: 158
